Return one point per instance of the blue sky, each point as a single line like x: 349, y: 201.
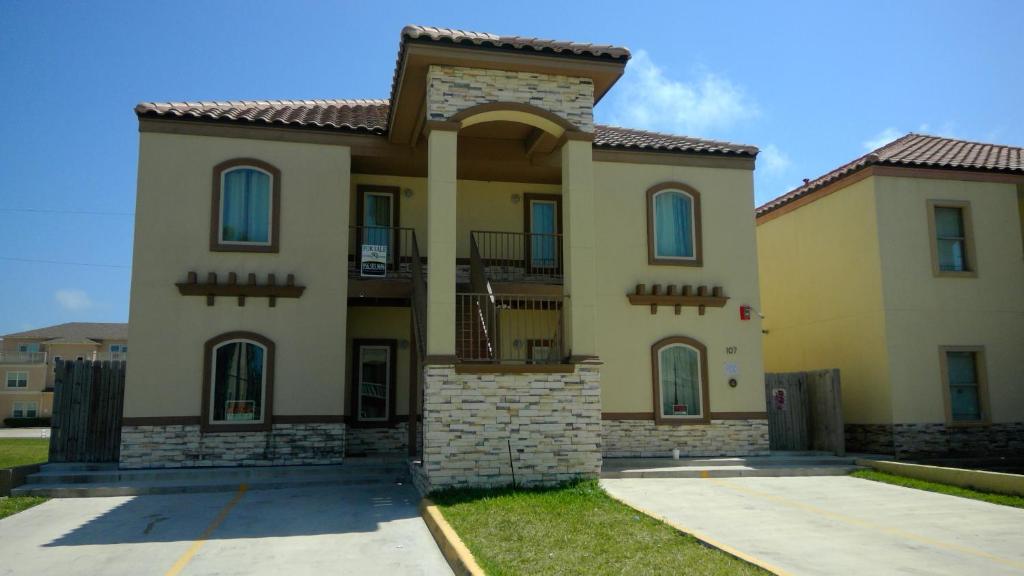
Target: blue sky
x: 813, y: 84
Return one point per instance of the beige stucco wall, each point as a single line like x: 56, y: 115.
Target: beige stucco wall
x: 924, y: 312
x: 625, y: 332
x: 822, y: 297
x: 172, y: 233
x: 383, y: 323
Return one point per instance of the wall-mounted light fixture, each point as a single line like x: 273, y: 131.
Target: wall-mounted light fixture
x: 403, y: 344
x: 407, y: 192
x: 515, y: 198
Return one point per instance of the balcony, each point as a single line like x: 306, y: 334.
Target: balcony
x: 508, y: 329
x: 519, y: 257
x: 382, y: 252
x: 17, y: 357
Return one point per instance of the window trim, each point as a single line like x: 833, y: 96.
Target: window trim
x: 705, y: 399
x: 979, y: 367
x: 216, y: 244
x: 698, y: 244
x: 969, y: 253
x: 392, y: 418
x: 7, y: 380
x: 205, y: 424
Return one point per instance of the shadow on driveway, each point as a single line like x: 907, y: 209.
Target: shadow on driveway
x: 258, y: 514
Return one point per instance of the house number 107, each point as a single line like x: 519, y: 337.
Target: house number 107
x: 731, y: 350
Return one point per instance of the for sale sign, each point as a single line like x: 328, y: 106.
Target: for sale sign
x: 235, y: 410
x: 374, y: 262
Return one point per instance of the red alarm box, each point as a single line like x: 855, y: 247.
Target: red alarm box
x: 745, y: 312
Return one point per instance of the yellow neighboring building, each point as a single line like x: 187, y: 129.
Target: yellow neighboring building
x: 470, y: 272
x: 27, y: 361
x: 904, y: 269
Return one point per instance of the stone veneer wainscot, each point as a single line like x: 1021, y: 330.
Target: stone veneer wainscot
x: 182, y: 446
x: 927, y: 440
x: 553, y: 421
x: 644, y: 438
x: 383, y: 440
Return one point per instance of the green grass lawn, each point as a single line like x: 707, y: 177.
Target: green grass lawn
x: 16, y: 504
x: 21, y: 451
x: 574, y: 529
x: 1004, y: 499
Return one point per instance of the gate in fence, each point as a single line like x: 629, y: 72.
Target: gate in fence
x: 88, y: 398
x: 805, y: 411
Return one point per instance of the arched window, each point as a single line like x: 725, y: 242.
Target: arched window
x: 673, y: 225
x: 246, y: 206
x: 238, y: 382
x: 679, y: 367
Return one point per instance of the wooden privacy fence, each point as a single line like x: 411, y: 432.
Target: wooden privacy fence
x: 805, y: 411
x: 88, y: 398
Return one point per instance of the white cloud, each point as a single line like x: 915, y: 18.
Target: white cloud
x: 883, y: 138
x: 773, y: 160
x: 71, y: 299
x: 649, y: 99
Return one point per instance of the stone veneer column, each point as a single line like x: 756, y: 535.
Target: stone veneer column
x: 441, y: 185
x: 578, y: 226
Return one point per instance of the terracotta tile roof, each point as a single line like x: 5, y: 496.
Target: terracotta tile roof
x: 371, y: 116
x: 349, y: 115
x: 628, y: 138
x: 916, y: 151
x: 452, y: 36
x: 77, y: 331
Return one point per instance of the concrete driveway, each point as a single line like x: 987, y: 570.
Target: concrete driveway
x: 837, y: 525
x: 24, y: 432
x: 312, y: 530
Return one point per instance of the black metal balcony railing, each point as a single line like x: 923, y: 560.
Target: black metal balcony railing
x: 397, y: 244
x: 520, y: 256
x: 508, y: 328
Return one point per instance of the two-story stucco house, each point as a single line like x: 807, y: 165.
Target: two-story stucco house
x: 27, y: 361
x: 471, y: 272
x: 904, y: 269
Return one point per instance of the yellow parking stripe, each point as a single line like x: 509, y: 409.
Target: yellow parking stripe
x: 198, y: 543
x: 869, y: 525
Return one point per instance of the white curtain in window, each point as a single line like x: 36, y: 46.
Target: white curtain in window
x: 245, y: 206
x: 673, y: 223
x: 679, y: 371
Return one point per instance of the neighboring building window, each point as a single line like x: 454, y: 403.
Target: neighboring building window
x: 964, y: 381
x: 246, y: 206
x: 17, y: 379
x: 34, y: 347
x: 238, y: 382
x: 118, y: 351
x: 374, y: 379
x: 25, y: 410
x: 679, y: 367
x: 674, y: 225
x: 952, y: 242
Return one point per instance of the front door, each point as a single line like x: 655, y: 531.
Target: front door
x: 374, y: 381
x: 543, y: 224
x: 378, y: 220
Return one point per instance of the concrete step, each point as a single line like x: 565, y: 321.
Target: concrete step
x: 63, y: 484
x: 736, y: 461
x: 50, y: 475
x: 775, y: 465
x: 731, y: 472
